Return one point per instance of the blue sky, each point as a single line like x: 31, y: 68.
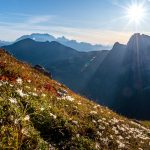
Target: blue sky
x: 95, y: 21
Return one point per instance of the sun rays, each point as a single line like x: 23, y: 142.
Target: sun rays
x: 133, y: 14
x: 136, y: 13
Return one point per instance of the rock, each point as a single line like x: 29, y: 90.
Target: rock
x: 43, y: 70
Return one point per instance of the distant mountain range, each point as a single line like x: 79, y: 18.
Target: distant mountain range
x: 2, y: 43
x: 80, y: 46
x: 119, y: 78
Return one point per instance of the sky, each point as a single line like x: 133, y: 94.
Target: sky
x: 94, y: 21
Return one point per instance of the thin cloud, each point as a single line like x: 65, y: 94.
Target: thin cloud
x: 40, y: 19
x: 48, y: 24
x: 80, y: 34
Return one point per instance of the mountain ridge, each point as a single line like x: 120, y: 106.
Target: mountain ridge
x: 80, y: 46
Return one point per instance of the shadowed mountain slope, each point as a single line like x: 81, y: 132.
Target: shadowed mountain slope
x: 122, y: 81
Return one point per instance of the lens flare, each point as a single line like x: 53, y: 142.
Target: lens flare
x: 136, y: 13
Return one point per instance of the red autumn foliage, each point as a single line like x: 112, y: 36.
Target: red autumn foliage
x: 2, y: 65
x: 50, y: 88
x: 7, y: 78
x: 6, y: 75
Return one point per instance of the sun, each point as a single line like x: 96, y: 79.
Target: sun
x: 136, y: 13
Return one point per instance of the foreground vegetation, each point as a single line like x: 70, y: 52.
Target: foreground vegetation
x: 39, y: 113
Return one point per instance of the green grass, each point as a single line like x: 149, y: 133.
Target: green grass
x: 146, y: 123
x: 36, y: 114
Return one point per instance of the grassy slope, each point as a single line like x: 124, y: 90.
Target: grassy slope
x: 37, y: 113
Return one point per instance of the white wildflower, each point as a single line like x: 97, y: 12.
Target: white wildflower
x: 75, y: 122
x: 114, y: 120
x: 99, y: 133
x: 43, y: 95
x: 111, y: 136
x: 69, y: 98
x: 79, y: 103
x: 29, y: 81
x: 34, y: 94
x: 58, y: 83
x: 93, y: 112
x: 104, y: 119
x: 10, y: 85
x: 4, y: 82
x: 101, y: 128
x: 27, y: 87
x: 11, y: 117
x: 62, y: 92
x: 106, y: 123
x: 24, y: 131
x: 75, y: 107
x: 20, y: 92
x: 52, y: 115
x: 105, y: 140
x: 120, y: 144
x: 95, y: 107
x: 97, y: 146
x: 122, y: 129
x: 120, y: 137
x: 42, y: 108
x: 16, y: 121
x: 94, y: 121
x: 102, y: 111
x: 58, y: 98
x: 1, y: 120
x: 19, y: 81
x: 115, y: 130
x: 77, y: 135
x: 13, y: 100
x: 99, y: 120
x: 27, y: 118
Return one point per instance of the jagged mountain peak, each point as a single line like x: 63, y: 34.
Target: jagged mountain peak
x: 117, y: 45
x: 37, y: 37
x: 138, y: 40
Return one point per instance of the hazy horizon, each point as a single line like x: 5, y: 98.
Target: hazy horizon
x: 96, y: 22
